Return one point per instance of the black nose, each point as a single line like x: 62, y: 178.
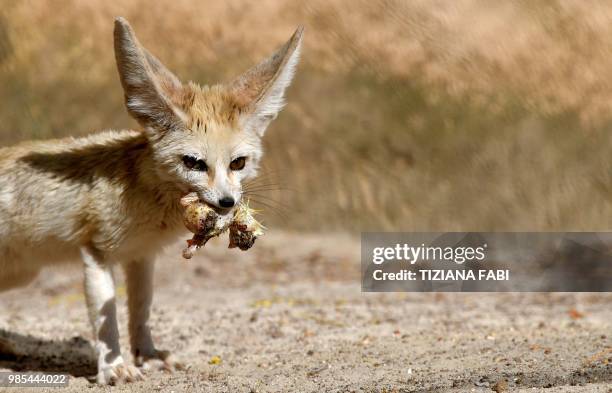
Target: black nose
x: 226, y: 202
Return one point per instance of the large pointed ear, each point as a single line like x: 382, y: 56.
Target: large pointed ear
x: 259, y: 92
x: 152, y: 93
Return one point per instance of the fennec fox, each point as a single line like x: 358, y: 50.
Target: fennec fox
x: 113, y: 198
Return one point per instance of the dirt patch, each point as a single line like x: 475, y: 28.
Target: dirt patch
x: 289, y: 316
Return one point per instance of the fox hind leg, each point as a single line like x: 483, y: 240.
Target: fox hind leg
x: 10, y: 280
x: 14, y: 270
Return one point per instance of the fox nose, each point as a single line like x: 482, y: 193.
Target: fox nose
x: 226, y: 202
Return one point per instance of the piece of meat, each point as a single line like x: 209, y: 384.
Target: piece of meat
x: 203, y: 221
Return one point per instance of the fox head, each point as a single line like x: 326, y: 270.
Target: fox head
x: 204, y: 139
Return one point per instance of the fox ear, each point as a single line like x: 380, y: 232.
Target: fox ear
x: 259, y: 92
x: 151, y: 91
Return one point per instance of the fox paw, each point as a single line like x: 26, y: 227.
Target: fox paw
x: 159, y: 360
x: 118, y: 374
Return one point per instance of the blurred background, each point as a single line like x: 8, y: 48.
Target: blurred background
x: 419, y: 115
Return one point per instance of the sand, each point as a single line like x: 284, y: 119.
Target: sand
x: 289, y: 316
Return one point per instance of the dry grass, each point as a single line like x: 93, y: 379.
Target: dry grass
x: 404, y: 115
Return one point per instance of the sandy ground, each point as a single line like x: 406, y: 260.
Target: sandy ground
x: 289, y: 316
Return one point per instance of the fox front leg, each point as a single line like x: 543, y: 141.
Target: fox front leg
x: 139, y: 277
x: 100, y: 298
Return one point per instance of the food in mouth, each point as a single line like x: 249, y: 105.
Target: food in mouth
x: 205, y: 223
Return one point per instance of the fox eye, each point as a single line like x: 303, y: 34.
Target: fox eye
x: 238, y: 163
x: 194, y: 164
